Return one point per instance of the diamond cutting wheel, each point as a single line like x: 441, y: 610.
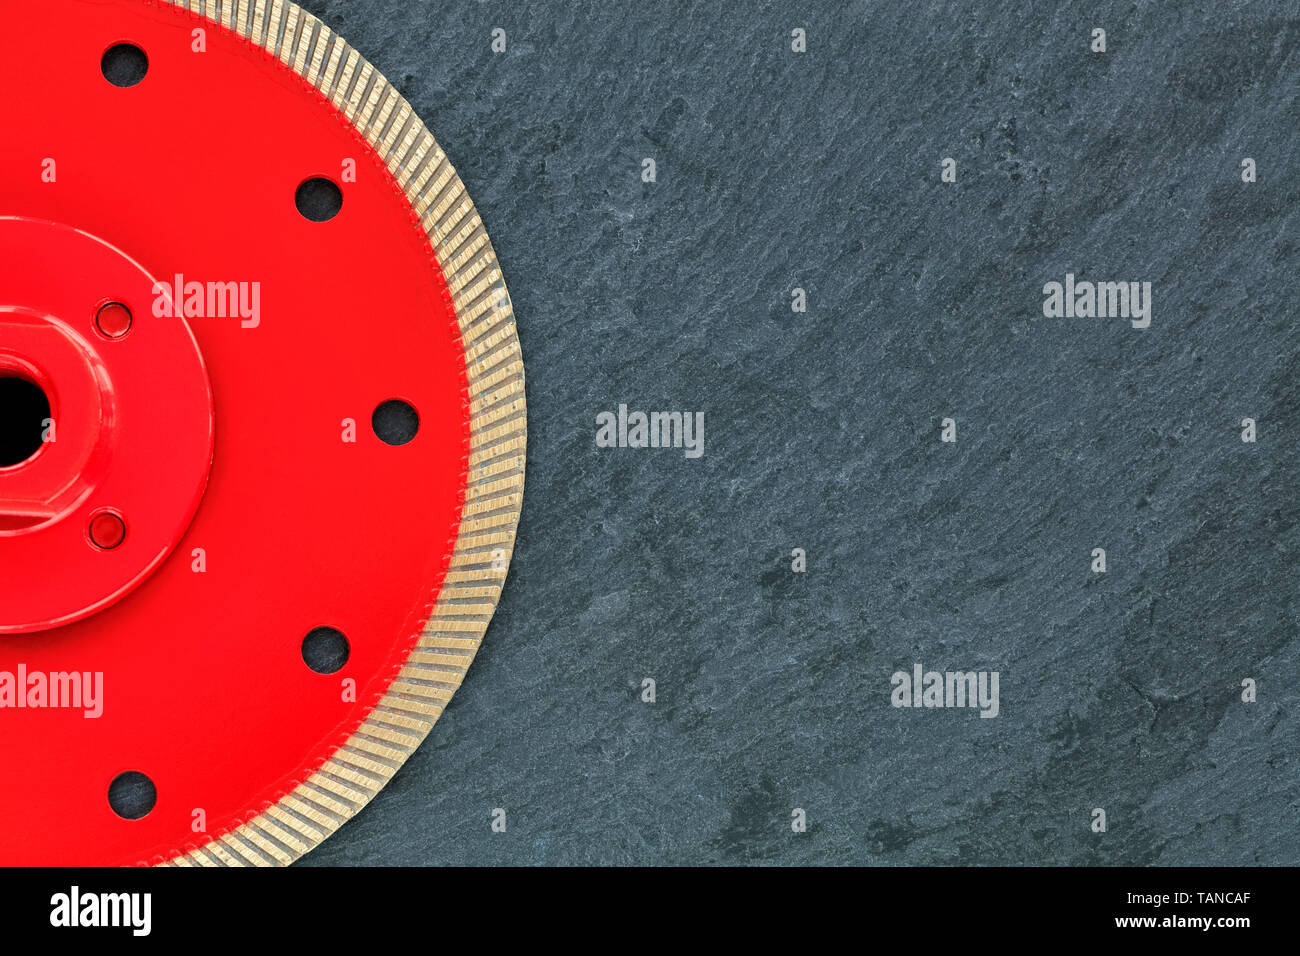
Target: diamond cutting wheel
x: 262, y: 432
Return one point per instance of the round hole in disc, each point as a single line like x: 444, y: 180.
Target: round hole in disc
x: 124, y: 64
x: 132, y: 795
x: 318, y: 200
x: 325, y: 650
x: 395, y: 422
x: 24, y: 412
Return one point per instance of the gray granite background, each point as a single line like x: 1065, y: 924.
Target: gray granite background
x: 821, y: 170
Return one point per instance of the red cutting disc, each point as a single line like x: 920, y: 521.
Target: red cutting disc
x: 218, y: 367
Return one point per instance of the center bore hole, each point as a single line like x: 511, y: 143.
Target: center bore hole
x: 24, y: 410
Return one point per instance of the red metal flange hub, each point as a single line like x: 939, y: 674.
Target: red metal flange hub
x: 127, y: 443
x: 215, y: 491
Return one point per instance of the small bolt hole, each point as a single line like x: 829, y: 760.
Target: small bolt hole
x: 107, y: 530
x: 113, y: 320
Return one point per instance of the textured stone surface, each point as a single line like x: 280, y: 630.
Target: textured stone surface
x: 821, y: 170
